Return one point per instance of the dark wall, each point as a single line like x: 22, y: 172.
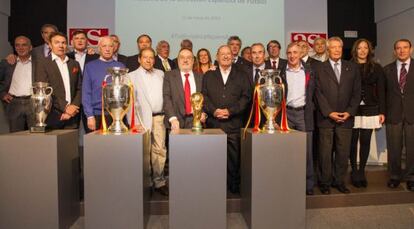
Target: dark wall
x: 28, y: 16
x: 352, y: 15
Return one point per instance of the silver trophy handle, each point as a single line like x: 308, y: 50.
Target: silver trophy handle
x: 51, y: 91
x: 279, y: 78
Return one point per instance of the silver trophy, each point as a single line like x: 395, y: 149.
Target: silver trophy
x: 271, y: 92
x: 41, y: 101
x: 116, y: 97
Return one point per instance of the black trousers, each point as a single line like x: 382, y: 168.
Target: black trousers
x: 398, y: 136
x: 333, y: 164
x: 19, y: 114
x: 364, y: 137
x: 233, y: 161
x: 53, y: 121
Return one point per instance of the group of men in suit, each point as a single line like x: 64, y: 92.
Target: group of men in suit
x: 319, y: 95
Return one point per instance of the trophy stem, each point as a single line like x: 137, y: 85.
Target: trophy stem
x: 118, y: 127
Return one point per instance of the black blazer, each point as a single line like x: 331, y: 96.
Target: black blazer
x: 399, y: 106
x: 311, y: 63
x: 6, y: 76
x: 310, y: 92
x: 132, y: 63
x: 281, y: 65
x: 37, y: 52
x: 372, y: 91
x: 122, y: 58
x: 173, y: 95
x: 48, y: 71
x: 158, y: 64
x: 89, y: 57
x: 332, y: 96
x: 234, y: 95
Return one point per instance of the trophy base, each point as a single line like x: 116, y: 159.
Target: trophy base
x: 37, y: 129
x: 271, y: 129
x: 197, y: 129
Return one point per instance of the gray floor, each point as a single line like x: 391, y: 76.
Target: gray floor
x: 368, y: 217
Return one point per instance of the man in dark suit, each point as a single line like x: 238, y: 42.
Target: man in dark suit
x: 143, y: 41
x: 80, y: 49
x: 299, y: 91
x: 117, y: 44
x: 274, y: 61
x: 309, y: 61
x: 179, y: 85
x: 338, y: 93
x: 162, y: 62
x: 226, y: 95
x: 399, y: 118
x: 44, y: 50
x: 235, y: 43
x: 64, y: 76
x: 16, y: 86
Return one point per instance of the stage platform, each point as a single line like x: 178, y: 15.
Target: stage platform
x: 377, y: 193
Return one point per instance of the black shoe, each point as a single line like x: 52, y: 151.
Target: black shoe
x: 356, y: 183
x: 393, y: 183
x: 342, y: 188
x: 410, y: 186
x: 309, y: 192
x: 325, y: 190
x: 364, y: 183
x: 163, y: 190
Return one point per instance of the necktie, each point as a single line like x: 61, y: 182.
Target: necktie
x: 403, y: 77
x: 256, y: 75
x: 187, y: 94
x: 336, y: 70
x: 234, y: 60
x: 273, y: 64
x: 166, y: 65
x: 49, y: 52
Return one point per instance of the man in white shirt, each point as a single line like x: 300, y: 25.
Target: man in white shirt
x: 148, y: 86
x: 15, y: 88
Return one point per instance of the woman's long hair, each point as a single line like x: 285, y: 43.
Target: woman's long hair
x: 198, y: 64
x: 368, y: 67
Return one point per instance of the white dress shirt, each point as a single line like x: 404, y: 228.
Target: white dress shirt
x: 80, y: 58
x: 225, y: 74
x: 296, y: 80
x: 193, y: 88
x: 277, y: 62
x: 64, y: 71
x: 22, y: 78
x: 407, y: 67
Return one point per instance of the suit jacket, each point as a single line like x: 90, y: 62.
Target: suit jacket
x: 173, y: 95
x: 88, y: 57
x: 399, y: 106
x: 6, y: 76
x: 48, y: 71
x: 234, y: 95
x: 311, y: 63
x: 332, y: 96
x: 158, y: 64
x: 132, y: 63
x: 310, y: 92
x: 281, y: 65
x: 37, y: 52
x: 123, y: 59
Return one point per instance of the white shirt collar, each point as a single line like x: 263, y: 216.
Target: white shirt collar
x: 293, y: 70
x: 225, y: 71
x: 80, y: 52
x: 261, y: 67
x: 54, y: 57
x: 333, y: 62
x: 28, y: 60
x: 399, y: 63
x: 274, y: 59
x: 305, y: 58
x: 110, y: 60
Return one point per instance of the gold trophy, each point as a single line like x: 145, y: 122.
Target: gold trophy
x: 197, y: 100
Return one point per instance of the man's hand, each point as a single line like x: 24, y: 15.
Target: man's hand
x: 175, y: 124
x: 11, y: 59
x: 381, y: 118
x: 72, y: 110
x: 64, y: 117
x: 91, y: 123
x: 203, y: 117
x: 335, y: 116
x: 7, y: 98
x: 90, y: 51
x: 221, y: 114
x: 344, y: 116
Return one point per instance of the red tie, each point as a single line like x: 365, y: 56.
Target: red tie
x: 187, y: 94
x: 274, y: 64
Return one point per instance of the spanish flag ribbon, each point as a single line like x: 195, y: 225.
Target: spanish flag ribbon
x: 256, y: 109
x: 131, y: 104
x: 104, y: 127
x: 284, y: 127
